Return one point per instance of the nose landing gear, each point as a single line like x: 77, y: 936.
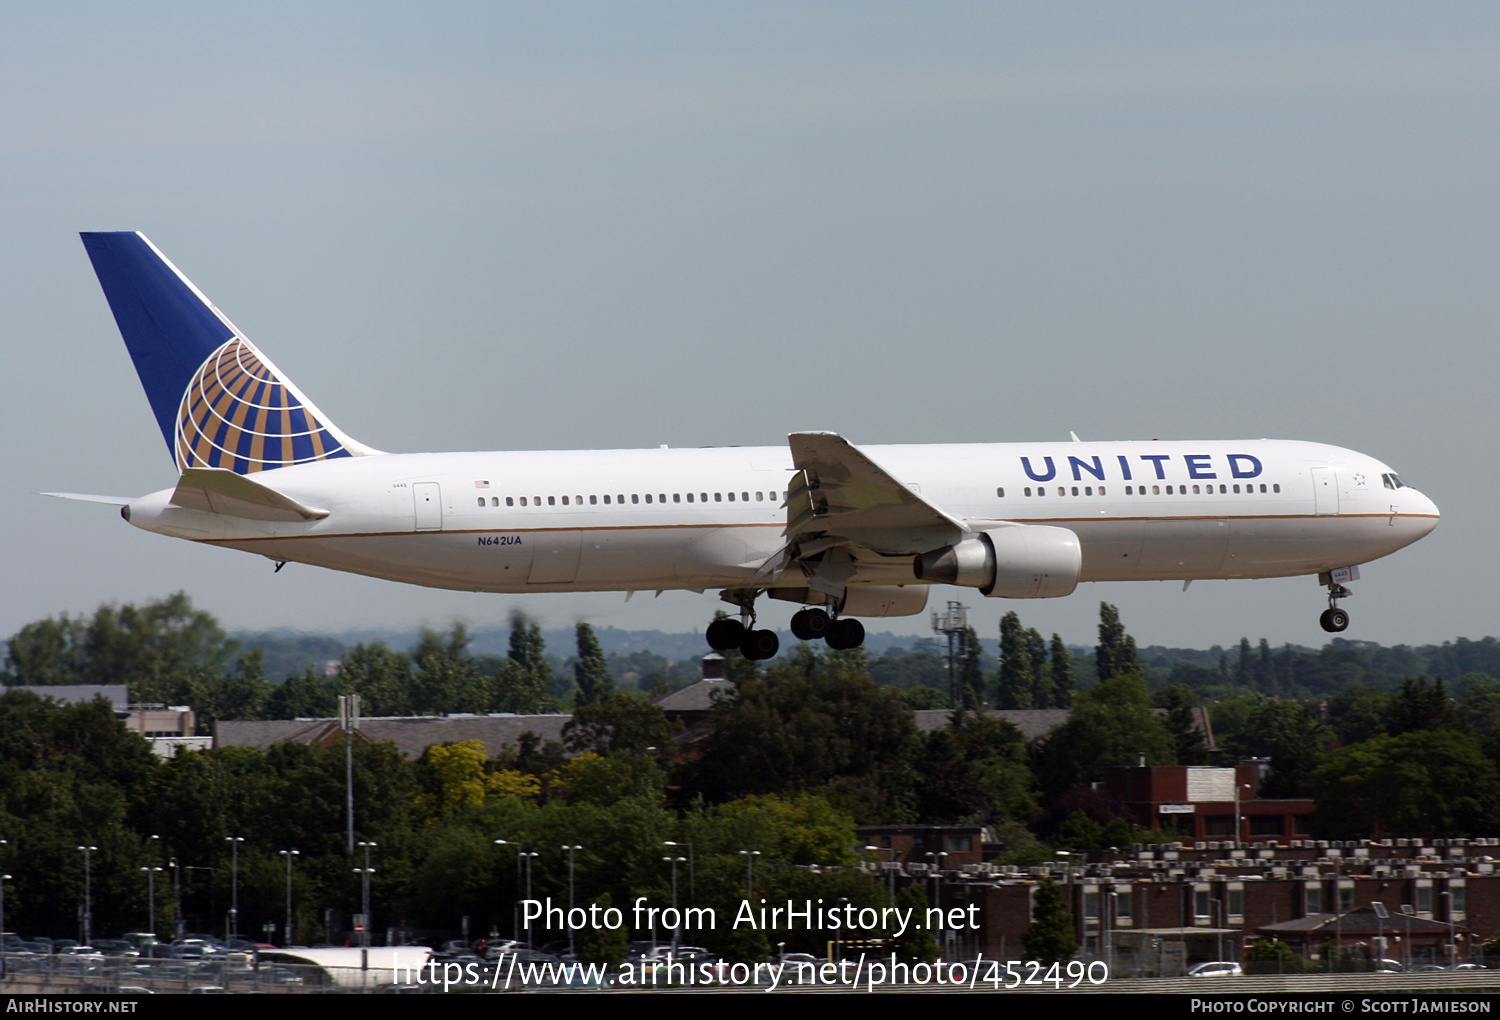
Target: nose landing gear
x: 1334, y: 620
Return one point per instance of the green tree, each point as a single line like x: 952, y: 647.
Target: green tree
x: 602, y: 944
x: 1018, y: 671
x: 447, y: 680
x: 815, y: 722
x: 1111, y: 724
x: 525, y: 682
x: 1115, y: 654
x: 970, y: 669
x: 591, y: 671
x: 1420, y: 706
x: 1272, y: 956
x: 1059, y: 675
x: 621, y: 723
x: 1182, y: 707
x: 916, y: 944
x: 1050, y: 938
x: 1427, y: 783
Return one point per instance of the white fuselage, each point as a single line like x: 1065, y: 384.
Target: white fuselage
x: 700, y: 518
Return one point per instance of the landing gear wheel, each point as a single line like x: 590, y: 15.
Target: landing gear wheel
x: 846, y: 634
x: 760, y: 644
x: 810, y: 624
x: 1334, y: 620
x: 724, y: 634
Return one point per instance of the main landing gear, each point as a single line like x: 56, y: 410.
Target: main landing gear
x: 810, y: 624
x: 1334, y: 619
x: 813, y: 624
x: 726, y: 633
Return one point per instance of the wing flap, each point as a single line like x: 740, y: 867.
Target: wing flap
x: 220, y: 491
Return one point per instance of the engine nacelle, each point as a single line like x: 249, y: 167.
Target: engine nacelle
x: 884, y: 600
x: 1016, y: 561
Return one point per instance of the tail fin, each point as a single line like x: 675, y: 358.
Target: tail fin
x: 220, y: 403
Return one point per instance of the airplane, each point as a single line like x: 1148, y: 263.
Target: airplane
x: 846, y: 532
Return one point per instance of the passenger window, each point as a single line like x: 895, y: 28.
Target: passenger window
x: 620, y: 499
x: 760, y: 497
x: 1274, y: 488
x: 565, y: 501
x: 1061, y: 491
x: 744, y: 497
x: 552, y: 501
x: 1101, y: 490
x: 1128, y: 492
x: 718, y: 497
x: 481, y: 501
x: 1156, y: 490
x: 690, y: 497
x: 1088, y: 490
x: 648, y: 497
x: 731, y: 497
x: 510, y: 501
x: 635, y: 498
x: 703, y: 497
x: 1028, y: 490
x: 676, y: 497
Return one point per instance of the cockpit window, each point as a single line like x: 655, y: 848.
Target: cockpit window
x: 1393, y: 481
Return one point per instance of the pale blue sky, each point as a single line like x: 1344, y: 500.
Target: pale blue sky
x: 594, y: 225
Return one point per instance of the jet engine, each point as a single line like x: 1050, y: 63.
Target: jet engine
x: 1013, y: 561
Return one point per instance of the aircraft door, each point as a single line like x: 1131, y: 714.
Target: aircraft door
x: 429, y: 506
x: 1325, y: 491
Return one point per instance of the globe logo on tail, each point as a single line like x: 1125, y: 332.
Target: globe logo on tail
x: 237, y: 414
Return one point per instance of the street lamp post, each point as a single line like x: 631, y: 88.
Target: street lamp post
x: 571, y: 849
x: 891, y: 870
x: 692, y: 877
x: 88, y: 894
x: 515, y: 910
x: 364, y: 883
x: 288, y: 854
x: 677, y: 929
x: 234, y: 885
x: 177, y: 925
x: 749, y: 856
x: 151, y: 871
x: 3, y: 880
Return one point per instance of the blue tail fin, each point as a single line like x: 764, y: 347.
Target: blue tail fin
x: 219, y: 402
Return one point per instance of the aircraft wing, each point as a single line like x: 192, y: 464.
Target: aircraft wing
x: 840, y: 498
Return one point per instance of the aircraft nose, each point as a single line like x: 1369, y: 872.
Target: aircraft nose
x: 1427, y: 509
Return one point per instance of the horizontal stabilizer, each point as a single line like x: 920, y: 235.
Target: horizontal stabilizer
x: 219, y: 491
x: 90, y: 498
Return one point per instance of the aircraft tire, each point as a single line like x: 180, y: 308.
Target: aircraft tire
x: 724, y: 634
x: 845, y: 634
x: 1334, y: 620
x: 760, y: 644
x: 810, y: 624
